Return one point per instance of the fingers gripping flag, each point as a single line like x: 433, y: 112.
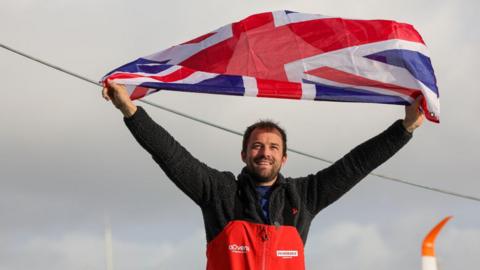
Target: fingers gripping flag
x: 286, y: 54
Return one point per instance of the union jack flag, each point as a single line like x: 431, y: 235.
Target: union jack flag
x: 284, y: 54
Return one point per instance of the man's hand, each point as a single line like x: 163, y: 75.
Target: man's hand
x: 119, y: 96
x: 413, y: 115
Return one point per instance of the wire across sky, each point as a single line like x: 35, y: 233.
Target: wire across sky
x: 196, y: 119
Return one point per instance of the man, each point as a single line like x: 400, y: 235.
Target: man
x: 260, y: 219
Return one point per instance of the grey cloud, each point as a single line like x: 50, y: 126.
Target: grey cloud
x: 66, y: 157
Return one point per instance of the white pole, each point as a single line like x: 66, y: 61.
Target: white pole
x: 108, y: 244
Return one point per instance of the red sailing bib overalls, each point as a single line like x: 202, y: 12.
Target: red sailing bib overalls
x: 243, y: 245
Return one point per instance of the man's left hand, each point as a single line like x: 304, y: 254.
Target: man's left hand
x: 413, y: 115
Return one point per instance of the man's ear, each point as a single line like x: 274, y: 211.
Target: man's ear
x: 243, y: 154
x: 284, y: 159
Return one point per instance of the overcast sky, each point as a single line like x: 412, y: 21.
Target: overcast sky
x: 67, y: 160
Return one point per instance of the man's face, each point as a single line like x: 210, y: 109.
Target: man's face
x: 264, y: 155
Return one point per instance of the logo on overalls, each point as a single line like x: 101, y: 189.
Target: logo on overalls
x: 238, y: 248
x: 287, y: 254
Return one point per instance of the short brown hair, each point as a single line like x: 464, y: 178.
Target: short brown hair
x: 269, y: 126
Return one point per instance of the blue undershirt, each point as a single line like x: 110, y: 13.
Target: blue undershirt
x: 264, y: 194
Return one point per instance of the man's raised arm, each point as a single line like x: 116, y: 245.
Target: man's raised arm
x: 326, y: 186
x: 194, y: 178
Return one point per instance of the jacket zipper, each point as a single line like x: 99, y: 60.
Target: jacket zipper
x: 270, y: 199
x: 264, y: 237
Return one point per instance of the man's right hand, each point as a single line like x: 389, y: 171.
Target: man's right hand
x: 413, y: 115
x: 119, y: 96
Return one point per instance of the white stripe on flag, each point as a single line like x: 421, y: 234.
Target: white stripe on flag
x: 197, y: 77
x: 130, y: 88
x: 179, y: 53
x: 161, y: 73
x: 280, y: 17
x: 250, y: 85
x: 303, y: 17
x: 135, y: 81
x: 352, y: 60
x: 193, y: 78
x: 434, y: 104
x: 309, y: 91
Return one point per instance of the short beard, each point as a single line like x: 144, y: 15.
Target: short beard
x: 264, y: 179
x: 260, y: 179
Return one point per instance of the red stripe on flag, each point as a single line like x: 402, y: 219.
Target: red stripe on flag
x: 216, y: 58
x: 427, y: 113
x: 257, y: 23
x: 352, y: 79
x: 279, y: 89
x: 122, y: 75
x: 176, y: 75
x: 139, y: 92
x: 335, y: 33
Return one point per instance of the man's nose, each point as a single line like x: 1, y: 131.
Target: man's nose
x: 266, y: 152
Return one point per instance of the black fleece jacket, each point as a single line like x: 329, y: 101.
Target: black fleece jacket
x: 223, y: 197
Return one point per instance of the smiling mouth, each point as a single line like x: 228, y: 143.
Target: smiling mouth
x: 263, y: 163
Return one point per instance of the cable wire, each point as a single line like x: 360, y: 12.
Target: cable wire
x: 196, y: 119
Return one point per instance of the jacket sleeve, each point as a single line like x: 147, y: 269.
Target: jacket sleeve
x: 326, y: 186
x: 193, y: 177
